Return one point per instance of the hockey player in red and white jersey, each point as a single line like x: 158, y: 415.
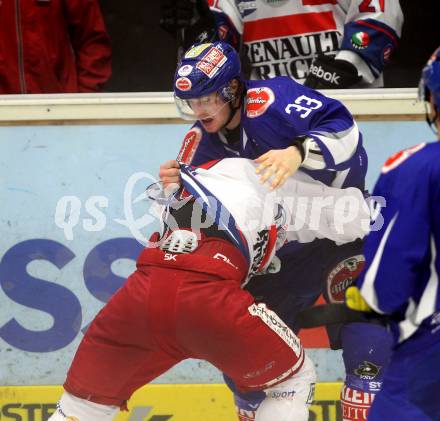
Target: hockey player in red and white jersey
x: 325, y: 44
x: 185, y: 299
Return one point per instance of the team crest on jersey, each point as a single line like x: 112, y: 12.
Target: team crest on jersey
x: 360, y: 40
x: 211, y: 62
x: 189, y: 146
x: 400, y: 157
x: 197, y: 50
x: 342, y: 276
x: 183, y: 84
x: 258, y: 101
x: 367, y: 370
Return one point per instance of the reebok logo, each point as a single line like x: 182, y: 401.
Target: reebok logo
x: 327, y: 76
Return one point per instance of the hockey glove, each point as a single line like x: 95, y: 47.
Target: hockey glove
x: 326, y: 72
x: 355, y: 301
x: 191, y: 16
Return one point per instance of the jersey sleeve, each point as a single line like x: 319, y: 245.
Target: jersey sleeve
x: 319, y: 211
x: 371, y: 32
x: 400, y: 254
x: 296, y: 110
x: 196, y: 148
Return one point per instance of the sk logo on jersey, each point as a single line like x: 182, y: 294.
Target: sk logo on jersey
x: 169, y: 256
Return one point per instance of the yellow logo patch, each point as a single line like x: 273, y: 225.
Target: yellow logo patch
x: 197, y: 50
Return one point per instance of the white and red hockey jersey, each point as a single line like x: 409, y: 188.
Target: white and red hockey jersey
x: 281, y: 37
x: 259, y: 221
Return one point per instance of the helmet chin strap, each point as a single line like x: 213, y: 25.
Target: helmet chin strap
x: 431, y: 121
x: 232, y: 111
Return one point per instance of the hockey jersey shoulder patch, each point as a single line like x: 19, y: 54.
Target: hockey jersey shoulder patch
x: 398, y: 158
x: 258, y: 100
x: 189, y: 145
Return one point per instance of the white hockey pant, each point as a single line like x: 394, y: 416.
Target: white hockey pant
x: 71, y: 408
x: 290, y: 400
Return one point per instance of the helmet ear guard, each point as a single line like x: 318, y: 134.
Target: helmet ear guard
x: 227, y: 93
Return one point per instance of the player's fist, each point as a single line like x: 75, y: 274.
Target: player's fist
x: 169, y: 173
x: 278, y: 165
x: 355, y: 301
x: 327, y: 72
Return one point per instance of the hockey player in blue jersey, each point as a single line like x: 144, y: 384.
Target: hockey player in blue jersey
x: 285, y: 127
x: 402, y: 273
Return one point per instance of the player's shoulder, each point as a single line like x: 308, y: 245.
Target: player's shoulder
x: 418, y: 160
x: 236, y: 167
x: 278, y: 85
x: 262, y: 97
x: 271, y: 96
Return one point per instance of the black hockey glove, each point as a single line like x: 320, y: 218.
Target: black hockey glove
x: 190, y: 20
x: 326, y: 72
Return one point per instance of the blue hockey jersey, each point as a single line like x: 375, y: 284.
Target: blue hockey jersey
x: 276, y: 111
x: 401, y: 277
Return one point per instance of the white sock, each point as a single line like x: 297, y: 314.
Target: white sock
x: 71, y: 408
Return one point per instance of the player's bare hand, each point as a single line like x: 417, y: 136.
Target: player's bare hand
x: 278, y: 165
x: 169, y: 173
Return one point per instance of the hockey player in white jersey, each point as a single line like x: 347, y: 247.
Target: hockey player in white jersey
x: 325, y: 44
x: 185, y: 299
